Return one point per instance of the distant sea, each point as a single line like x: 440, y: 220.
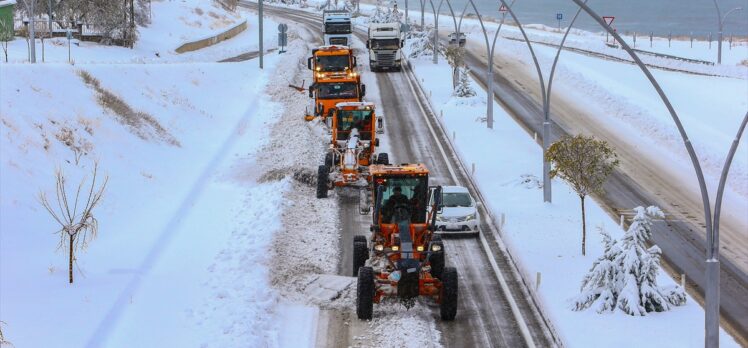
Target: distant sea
x: 679, y: 17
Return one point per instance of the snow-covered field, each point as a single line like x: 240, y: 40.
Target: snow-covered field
x: 184, y: 227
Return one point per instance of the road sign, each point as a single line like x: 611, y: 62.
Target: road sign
x: 282, y: 27
x: 503, y: 9
x: 609, y: 19
x: 69, y: 34
x: 559, y: 16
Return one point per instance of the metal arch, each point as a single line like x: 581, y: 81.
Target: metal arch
x: 668, y: 105
x: 723, y: 181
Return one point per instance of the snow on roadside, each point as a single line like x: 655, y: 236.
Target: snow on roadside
x: 174, y: 23
x: 512, y: 187
x: 307, y: 249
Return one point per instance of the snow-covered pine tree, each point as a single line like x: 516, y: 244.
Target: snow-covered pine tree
x: 463, y: 88
x: 625, y: 276
x: 599, y: 288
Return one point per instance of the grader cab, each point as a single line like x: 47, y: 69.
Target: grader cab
x: 403, y: 258
x: 352, y: 147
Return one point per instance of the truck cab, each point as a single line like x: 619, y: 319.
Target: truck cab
x: 332, y: 61
x: 385, y: 46
x: 337, y: 27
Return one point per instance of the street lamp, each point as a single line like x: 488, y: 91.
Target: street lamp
x: 711, y: 298
x: 437, y: 10
x: 720, y: 23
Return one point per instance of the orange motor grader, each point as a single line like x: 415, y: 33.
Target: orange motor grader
x: 335, y: 79
x: 403, y: 258
x: 352, y: 147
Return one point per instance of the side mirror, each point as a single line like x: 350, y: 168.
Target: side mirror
x: 367, y: 44
x: 376, y: 142
x: 438, y: 198
x: 402, y: 43
x: 355, y: 61
x: 311, y: 92
x: 364, y: 202
x: 363, y: 90
x: 309, y: 63
x: 330, y: 113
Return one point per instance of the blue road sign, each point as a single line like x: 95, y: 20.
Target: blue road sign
x: 559, y: 16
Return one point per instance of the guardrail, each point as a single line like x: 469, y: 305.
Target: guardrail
x: 212, y: 40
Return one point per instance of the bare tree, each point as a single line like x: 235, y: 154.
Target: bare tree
x: 6, y: 34
x: 3, y: 341
x: 585, y: 163
x: 77, y: 230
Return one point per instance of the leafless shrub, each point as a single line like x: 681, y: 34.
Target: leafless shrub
x: 79, y: 145
x: 77, y: 229
x: 3, y: 341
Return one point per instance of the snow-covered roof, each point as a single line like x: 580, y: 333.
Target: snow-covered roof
x: 454, y: 189
x: 7, y: 2
x: 354, y: 104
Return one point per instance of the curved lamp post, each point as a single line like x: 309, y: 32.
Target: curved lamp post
x: 436, y: 25
x: 711, y: 320
x: 720, y: 25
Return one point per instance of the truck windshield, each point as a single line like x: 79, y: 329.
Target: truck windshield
x: 413, y: 192
x: 332, y: 63
x: 385, y: 44
x: 337, y: 90
x: 359, y: 119
x: 338, y: 28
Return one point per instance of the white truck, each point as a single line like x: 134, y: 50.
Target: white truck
x: 385, y: 46
x: 337, y: 27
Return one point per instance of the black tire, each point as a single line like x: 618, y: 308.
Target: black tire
x: 365, y: 293
x: 437, y: 263
x: 359, y: 238
x: 328, y: 159
x: 322, y: 179
x: 448, y: 306
x: 383, y: 158
x: 360, y: 254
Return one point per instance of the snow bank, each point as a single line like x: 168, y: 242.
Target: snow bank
x: 546, y: 238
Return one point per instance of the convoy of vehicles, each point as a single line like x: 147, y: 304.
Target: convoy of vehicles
x: 402, y: 258
x: 385, y: 46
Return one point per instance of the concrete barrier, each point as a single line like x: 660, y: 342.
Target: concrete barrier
x: 210, y: 41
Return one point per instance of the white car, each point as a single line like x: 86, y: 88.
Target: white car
x: 459, y: 213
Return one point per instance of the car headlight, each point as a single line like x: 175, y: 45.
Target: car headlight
x: 470, y: 217
x: 379, y: 247
x: 395, y: 248
x: 436, y: 247
x: 419, y: 248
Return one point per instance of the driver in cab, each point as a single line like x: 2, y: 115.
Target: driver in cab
x: 397, y: 199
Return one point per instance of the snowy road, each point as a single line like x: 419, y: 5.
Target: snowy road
x: 639, y: 181
x: 485, y: 317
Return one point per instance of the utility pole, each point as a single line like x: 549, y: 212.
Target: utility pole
x: 132, y: 24
x: 32, y: 30
x: 49, y: 15
x: 259, y: 2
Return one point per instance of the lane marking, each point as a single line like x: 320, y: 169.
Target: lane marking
x: 502, y: 281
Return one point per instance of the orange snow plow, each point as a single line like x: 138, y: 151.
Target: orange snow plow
x: 402, y: 258
x: 352, y: 147
x: 335, y: 80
